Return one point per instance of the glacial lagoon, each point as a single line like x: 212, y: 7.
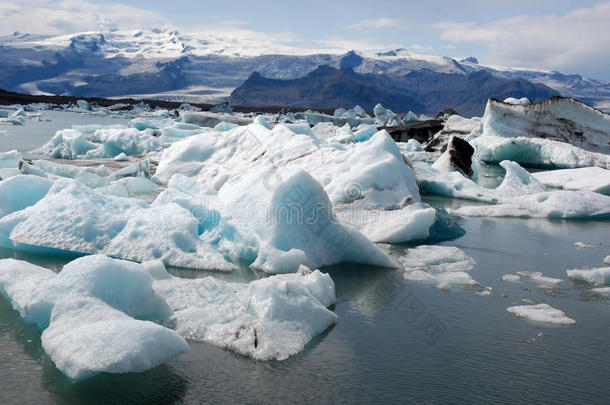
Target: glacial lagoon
x: 394, y: 340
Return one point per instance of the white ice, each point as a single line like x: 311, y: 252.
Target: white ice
x: 267, y: 319
x: 536, y: 152
x: 551, y: 204
x: 21, y: 191
x: 93, y: 314
x: 597, y: 276
x: 73, y: 217
x: 517, y: 181
x: 585, y: 178
x: 541, y: 313
x: 443, y: 266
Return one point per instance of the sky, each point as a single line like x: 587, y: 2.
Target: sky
x: 569, y: 36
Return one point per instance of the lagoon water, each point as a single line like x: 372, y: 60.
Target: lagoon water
x: 395, y: 341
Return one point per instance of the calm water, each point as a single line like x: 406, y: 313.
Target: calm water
x: 35, y: 133
x: 456, y: 348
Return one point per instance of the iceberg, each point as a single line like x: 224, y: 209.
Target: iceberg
x: 557, y: 119
x: 536, y: 152
x: 551, y: 204
x: 598, y: 276
x: 21, y: 191
x: 443, y: 266
x: 541, y: 281
x: 385, y: 117
x: 75, y: 218
x: 517, y: 181
x: 455, y: 125
x: 306, y: 232
x: 87, y: 336
x: 267, y: 319
x: 541, y: 313
x: 95, y: 314
x: 257, y: 159
x: 586, y: 178
x: 67, y: 144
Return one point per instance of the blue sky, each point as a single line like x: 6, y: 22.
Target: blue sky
x: 571, y: 36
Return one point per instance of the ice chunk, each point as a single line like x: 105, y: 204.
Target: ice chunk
x: 225, y: 126
x: 541, y: 281
x: 536, y: 152
x: 21, y: 191
x: 87, y: 312
x: 516, y: 182
x: 267, y: 319
x: 561, y: 119
x: 585, y: 178
x: 87, y: 336
x: 582, y: 245
x: 598, y: 276
x: 74, y: 218
x: 445, y: 266
x: 67, y: 144
x: 385, y: 117
x: 518, y: 101
x: 306, y: 232
x: 513, y: 278
x: 607, y: 259
x: 457, y: 157
x: 122, y: 157
x: 550, y: 204
x: 256, y: 159
x: 541, y: 313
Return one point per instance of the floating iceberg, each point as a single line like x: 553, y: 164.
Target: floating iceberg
x: 267, y: 319
x: 587, y: 178
x: 517, y: 181
x: 536, y: 152
x: 444, y: 266
x: 550, y: 204
x: 455, y: 125
x: 95, y: 314
x: 385, y: 117
x: 21, y: 191
x: 75, y: 218
x: 541, y: 281
x: 557, y: 119
x: 598, y: 276
x: 258, y: 160
x: 541, y: 313
x: 87, y: 336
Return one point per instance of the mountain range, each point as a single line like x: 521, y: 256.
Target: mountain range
x: 207, y: 67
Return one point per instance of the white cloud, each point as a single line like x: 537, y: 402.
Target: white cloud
x: 570, y: 41
x: 376, y: 23
x: 69, y: 16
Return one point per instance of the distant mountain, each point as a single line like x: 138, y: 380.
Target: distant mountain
x: 421, y: 91
x: 207, y: 67
x: 325, y: 87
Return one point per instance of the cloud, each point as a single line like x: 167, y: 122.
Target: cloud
x: 69, y: 16
x: 574, y: 41
x: 376, y: 23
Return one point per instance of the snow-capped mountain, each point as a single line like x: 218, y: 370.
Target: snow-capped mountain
x: 207, y: 66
